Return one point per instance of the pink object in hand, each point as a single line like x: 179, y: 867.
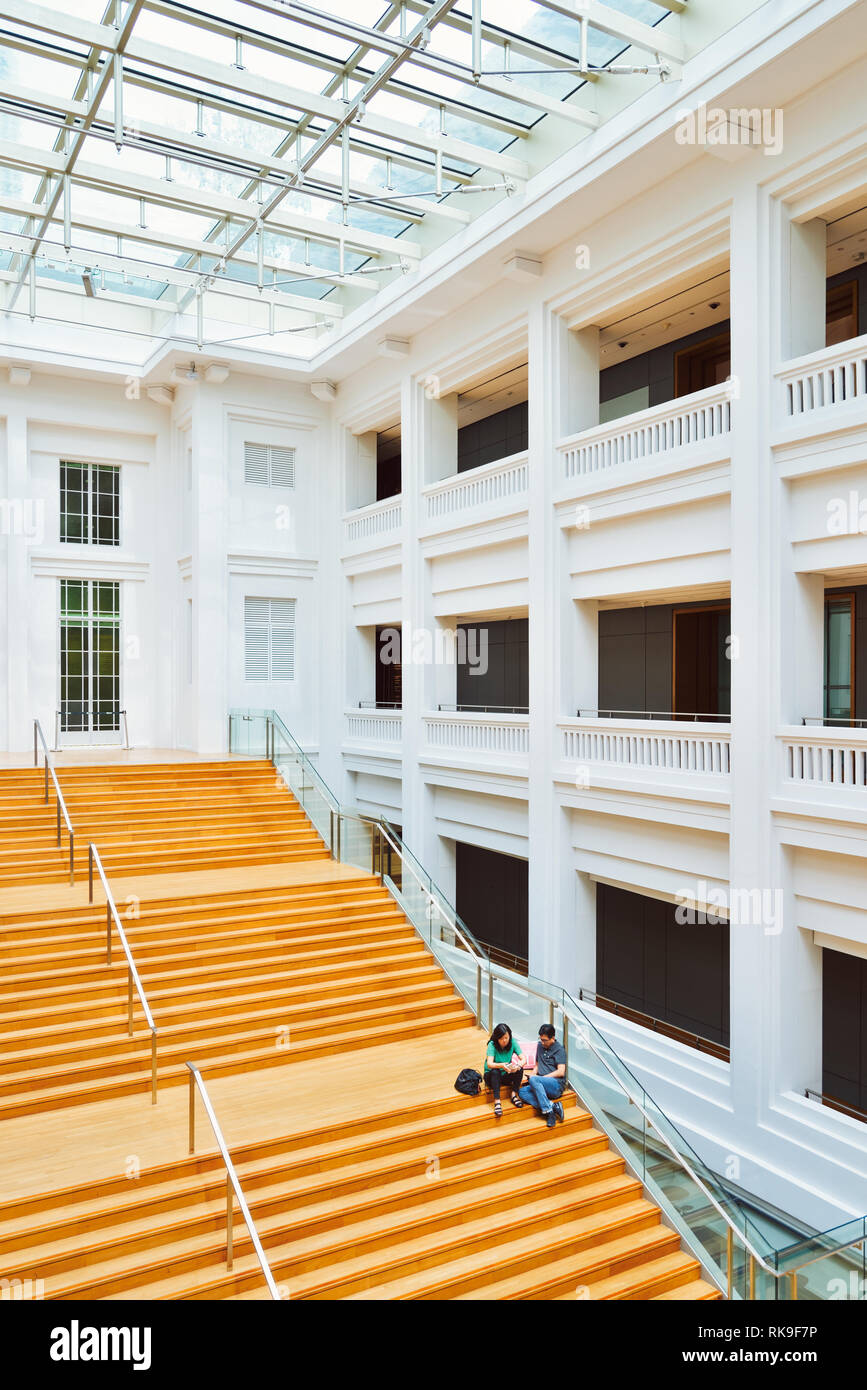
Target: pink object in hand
x: 529, y: 1051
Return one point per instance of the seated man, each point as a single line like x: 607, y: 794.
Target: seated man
x: 546, y: 1083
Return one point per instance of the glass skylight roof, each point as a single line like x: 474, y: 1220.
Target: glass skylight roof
x: 266, y: 166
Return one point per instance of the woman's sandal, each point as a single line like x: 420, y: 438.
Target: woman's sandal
x: 516, y: 1101
x: 498, y: 1109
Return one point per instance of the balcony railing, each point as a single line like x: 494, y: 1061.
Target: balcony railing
x: 700, y: 418
x: 372, y: 523
x: 825, y: 757
x: 374, y: 726
x: 666, y: 747
x: 501, y: 481
x: 832, y: 378
x: 506, y: 735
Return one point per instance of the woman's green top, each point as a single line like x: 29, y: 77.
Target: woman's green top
x: 494, y: 1054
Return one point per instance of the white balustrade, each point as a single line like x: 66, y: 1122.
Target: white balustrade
x: 825, y: 757
x: 650, y: 746
x: 701, y: 418
x: 370, y: 523
x: 833, y: 377
x: 374, y: 726
x: 505, y: 735
x: 501, y: 481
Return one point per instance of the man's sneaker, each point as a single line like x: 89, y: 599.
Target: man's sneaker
x: 558, y: 1111
x: 550, y: 1119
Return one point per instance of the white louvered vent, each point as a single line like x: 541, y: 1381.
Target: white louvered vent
x: 269, y: 639
x: 269, y: 465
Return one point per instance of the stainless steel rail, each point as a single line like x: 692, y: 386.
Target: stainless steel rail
x: 232, y: 1183
x: 38, y: 736
x: 672, y: 716
x: 58, y: 714
x: 133, y: 978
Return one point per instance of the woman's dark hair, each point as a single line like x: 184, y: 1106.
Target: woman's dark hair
x: 499, y: 1030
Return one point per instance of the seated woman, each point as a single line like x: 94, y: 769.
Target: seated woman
x: 504, y: 1066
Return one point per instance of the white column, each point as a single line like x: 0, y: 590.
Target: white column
x: 801, y: 687
x: 751, y: 854
x: 210, y: 573
x: 582, y: 692
x: 21, y: 506
x: 420, y: 435
x: 804, y: 246
x: 333, y: 616
x: 552, y: 403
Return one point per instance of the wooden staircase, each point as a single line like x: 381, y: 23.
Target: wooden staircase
x: 235, y: 981
x: 398, y: 1205
x: 152, y: 818
x: 271, y: 955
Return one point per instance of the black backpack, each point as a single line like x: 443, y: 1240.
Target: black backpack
x: 469, y: 1082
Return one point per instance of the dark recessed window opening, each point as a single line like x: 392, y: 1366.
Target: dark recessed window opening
x: 675, y: 974
x: 661, y: 662
x: 844, y: 1029
x: 388, y: 667
x: 839, y: 657
x: 706, y: 364
x: 491, y: 896
x: 701, y: 677
x: 496, y: 437
x: 388, y: 465
x: 495, y: 674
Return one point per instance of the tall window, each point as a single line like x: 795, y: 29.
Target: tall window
x: 269, y: 639
x: 269, y: 465
x: 89, y: 656
x: 839, y: 630
x: 90, y: 503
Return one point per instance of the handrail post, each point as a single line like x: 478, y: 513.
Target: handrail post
x: 229, y: 1259
x: 192, y: 1112
x: 72, y: 858
x: 729, y: 1258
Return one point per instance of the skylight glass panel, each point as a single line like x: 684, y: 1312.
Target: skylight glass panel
x: 207, y: 131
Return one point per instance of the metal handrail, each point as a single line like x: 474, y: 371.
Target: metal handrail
x: 483, y: 709
x: 656, y: 1025
x: 90, y: 708
x: 833, y: 721
x: 232, y: 1183
x: 673, y: 716
x: 61, y: 804
x: 133, y: 977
